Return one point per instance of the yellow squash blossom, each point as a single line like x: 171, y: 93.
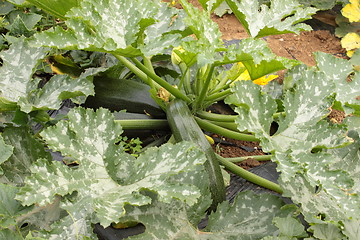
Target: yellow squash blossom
x: 352, y: 11
x: 259, y: 81
x: 350, y: 42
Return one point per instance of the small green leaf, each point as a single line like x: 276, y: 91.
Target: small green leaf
x: 283, y: 16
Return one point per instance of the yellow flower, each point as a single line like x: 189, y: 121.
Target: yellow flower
x: 264, y: 79
x: 259, y: 81
x: 352, y: 11
x: 350, y: 42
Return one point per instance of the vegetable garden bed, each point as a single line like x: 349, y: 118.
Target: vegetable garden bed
x: 72, y: 160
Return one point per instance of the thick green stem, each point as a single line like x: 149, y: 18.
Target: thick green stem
x: 148, y: 65
x: 251, y: 177
x: 142, y: 124
x: 256, y: 157
x: 218, y: 96
x: 204, y: 88
x: 228, y: 125
x: 133, y: 69
x: 174, y: 91
x: 208, y: 126
x: 216, y: 117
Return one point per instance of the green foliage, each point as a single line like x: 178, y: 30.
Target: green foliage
x: 103, y: 177
x: 281, y: 17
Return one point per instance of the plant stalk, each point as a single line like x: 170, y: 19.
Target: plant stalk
x: 208, y: 126
x: 204, y: 88
x: 251, y: 177
x: 216, y: 117
x: 256, y: 157
x: 143, y: 124
x: 174, y: 91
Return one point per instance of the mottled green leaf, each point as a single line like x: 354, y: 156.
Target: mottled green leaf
x: 305, y: 105
x: 321, y: 190
x: 256, y: 56
x: 351, y: 228
x: 19, y: 63
x: 249, y: 217
x: 127, y: 28
x: 283, y: 16
x: 26, y: 150
x: 321, y: 4
x: 326, y: 232
x: 59, y: 88
x: 9, y: 207
x: 107, y: 177
x: 8, y: 234
x: 5, y: 150
x: 22, y: 24
x: 208, y: 35
x: 57, y: 8
x: 339, y: 70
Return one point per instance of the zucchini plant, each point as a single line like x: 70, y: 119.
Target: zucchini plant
x: 146, y: 56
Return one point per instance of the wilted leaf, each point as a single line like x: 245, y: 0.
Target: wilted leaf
x: 107, y: 178
x: 283, y: 16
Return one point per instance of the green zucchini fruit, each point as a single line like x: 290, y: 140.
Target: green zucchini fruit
x: 185, y: 128
x: 120, y: 94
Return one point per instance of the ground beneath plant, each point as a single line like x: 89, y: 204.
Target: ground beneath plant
x: 292, y: 46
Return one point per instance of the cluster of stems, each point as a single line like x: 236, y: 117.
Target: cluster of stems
x: 223, y: 125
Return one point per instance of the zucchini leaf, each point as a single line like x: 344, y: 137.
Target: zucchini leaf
x: 5, y: 151
x: 310, y: 175
x: 23, y: 89
x: 26, y: 150
x: 15, y: 85
x: 283, y: 16
x: 128, y: 28
x: 237, y: 221
x: 57, y: 8
x: 106, y: 178
x: 208, y: 36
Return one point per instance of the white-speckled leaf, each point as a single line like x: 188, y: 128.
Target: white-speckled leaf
x: 26, y: 150
x: 250, y: 217
x: 338, y: 70
x: 305, y: 105
x: 19, y: 64
x: 9, y: 207
x: 208, y: 35
x: 59, y: 88
x: 106, y: 176
x: 5, y: 150
x: 319, y: 189
x: 283, y: 16
x: 257, y: 57
x: 117, y: 27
